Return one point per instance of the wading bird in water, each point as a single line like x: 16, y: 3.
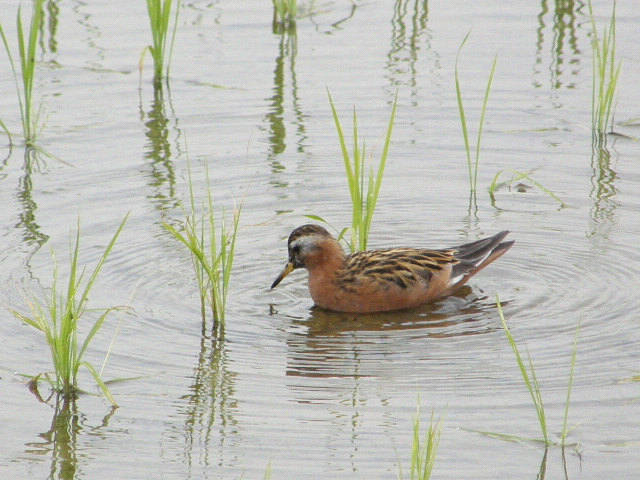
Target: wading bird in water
x: 388, y: 279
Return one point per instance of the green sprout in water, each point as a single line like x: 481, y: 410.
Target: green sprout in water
x: 212, y: 256
x: 285, y: 12
x: 58, y: 316
x: 531, y: 381
x: 516, y: 176
x: 605, y: 77
x: 363, y: 202
x: 159, y: 17
x: 529, y: 377
x: 423, y: 454
x: 27, y: 49
x: 472, y: 164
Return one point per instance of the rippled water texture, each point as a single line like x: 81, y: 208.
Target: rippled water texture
x: 312, y: 393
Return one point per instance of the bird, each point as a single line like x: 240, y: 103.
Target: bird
x: 387, y: 279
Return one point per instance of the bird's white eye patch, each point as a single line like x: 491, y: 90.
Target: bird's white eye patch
x: 304, y: 244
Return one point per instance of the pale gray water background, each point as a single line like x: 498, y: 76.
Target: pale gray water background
x: 317, y: 394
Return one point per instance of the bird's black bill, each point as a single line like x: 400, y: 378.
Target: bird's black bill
x: 287, y: 270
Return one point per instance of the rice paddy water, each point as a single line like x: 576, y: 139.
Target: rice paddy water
x: 282, y: 389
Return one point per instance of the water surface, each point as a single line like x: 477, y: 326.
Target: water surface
x: 313, y: 393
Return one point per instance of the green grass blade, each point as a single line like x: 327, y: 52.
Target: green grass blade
x: 463, y: 118
x: 605, y: 71
x: 159, y: 12
x: 494, y: 186
x: 423, y: 449
x: 565, y: 431
x: 59, y: 322
x: 351, y: 171
x: 482, y: 115
x: 229, y: 254
x: 27, y: 44
x: 517, y: 176
x: 285, y: 11
x: 173, y: 37
x: 316, y: 218
x: 531, y: 383
x: 22, y: 51
x: 509, y: 438
x: 212, y: 256
x: 103, y: 259
x: 362, y: 203
x: 267, y: 473
x: 374, y: 191
x: 193, y: 244
x: 13, y: 68
x: 343, y: 145
x: 94, y: 329
x: 72, y: 284
x: 29, y: 321
x: 538, y: 403
x: 472, y: 165
x: 28, y: 64
x: 100, y: 382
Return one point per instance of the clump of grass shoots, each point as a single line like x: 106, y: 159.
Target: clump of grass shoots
x: 363, y: 202
x: 285, y: 12
x: 58, y: 316
x: 472, y: 164
x: 605, y: 77
x: 159, y: 16
x: 212, y: 256
x: 27, y: 49
x: 423, y: 453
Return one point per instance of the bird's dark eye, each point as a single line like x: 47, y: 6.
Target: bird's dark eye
x: 296, y: 249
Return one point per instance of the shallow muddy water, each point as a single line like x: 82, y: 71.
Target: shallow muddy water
x: 311, y: 393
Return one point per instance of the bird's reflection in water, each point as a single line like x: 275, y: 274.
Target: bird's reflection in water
x: 329, y: 343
